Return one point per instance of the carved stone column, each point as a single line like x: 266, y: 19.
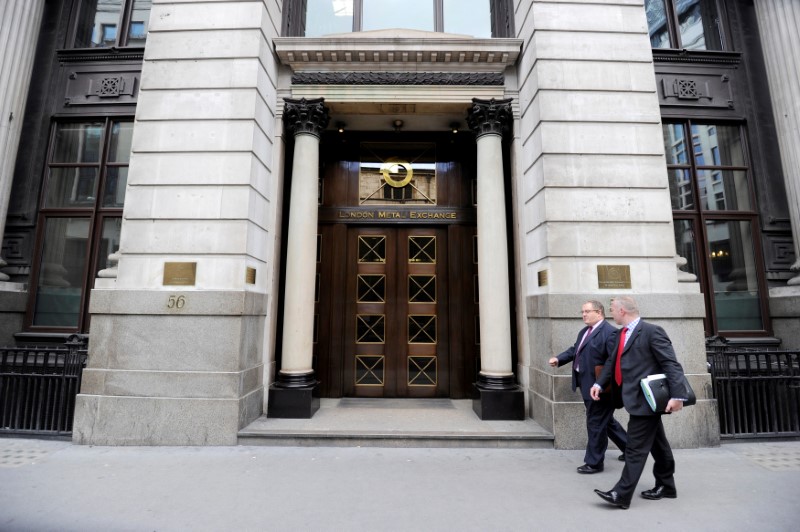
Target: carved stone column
x: 497, y: 394
x: 19, y: 29
x: 295, y: 394
x: 777, y: 22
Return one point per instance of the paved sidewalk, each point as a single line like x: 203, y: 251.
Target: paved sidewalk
x: 55, y: 485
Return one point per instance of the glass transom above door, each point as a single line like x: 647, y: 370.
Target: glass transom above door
x: 397, y: 174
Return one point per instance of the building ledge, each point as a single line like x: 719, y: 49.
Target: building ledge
x: 397, y: 51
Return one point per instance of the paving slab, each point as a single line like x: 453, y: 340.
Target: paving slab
x: 56, y: 485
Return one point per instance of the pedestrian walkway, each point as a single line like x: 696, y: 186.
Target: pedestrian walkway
x: 354, y: 422
x: 55, y: 485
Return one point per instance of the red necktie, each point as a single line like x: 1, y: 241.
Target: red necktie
x: 617, y: 368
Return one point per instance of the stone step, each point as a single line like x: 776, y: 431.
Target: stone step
x: 352, y: 422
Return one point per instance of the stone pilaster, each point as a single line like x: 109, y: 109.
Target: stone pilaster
x: 498, y: 395
x: 19, y: 29
x: 592, y: 193
x: 295, y: 394
x: 183, y: 359
x: 777, y: 22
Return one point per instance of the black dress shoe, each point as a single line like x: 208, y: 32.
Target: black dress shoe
x: 586, y: 469
x: 660, y: 492
x: 621, y: 457
x: 613, y: 498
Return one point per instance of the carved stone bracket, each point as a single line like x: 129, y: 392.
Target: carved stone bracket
x: 305, y: 116
x: 489, y: 116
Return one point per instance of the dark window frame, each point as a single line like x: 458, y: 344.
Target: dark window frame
x: 96, y: 214
x: 675, y: 36
x: 698, y: 216
x: 123, y: 27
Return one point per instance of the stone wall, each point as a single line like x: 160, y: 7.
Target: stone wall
x: 202, y: 189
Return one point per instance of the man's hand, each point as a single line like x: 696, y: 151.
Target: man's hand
x: 674, y: 405
x: 553, y: 362
x: 595, y: 392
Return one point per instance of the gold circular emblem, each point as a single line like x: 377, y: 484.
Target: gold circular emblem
x: 392, y: 166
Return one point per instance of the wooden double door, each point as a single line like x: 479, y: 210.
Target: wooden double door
x: 394, y: 318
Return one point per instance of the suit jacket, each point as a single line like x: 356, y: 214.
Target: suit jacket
x: 594, y: 352
x: 647, y: 351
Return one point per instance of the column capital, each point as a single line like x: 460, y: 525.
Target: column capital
x: 305, y: 116
x: 489, y: 117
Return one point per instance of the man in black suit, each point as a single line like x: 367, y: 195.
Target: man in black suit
x: 642, y: 349
x: 590, y: 350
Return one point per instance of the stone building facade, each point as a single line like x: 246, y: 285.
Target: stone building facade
x: 250, y: 204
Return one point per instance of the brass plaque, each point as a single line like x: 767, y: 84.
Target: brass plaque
x: 250, y: 275
x: 542, y: 278
x: 613, y: 276
x: 179, y: 273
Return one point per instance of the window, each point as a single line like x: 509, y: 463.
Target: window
x: 716, y: 226
x: 468, y: 17
x: 81, y: 217
x: 111, y: 23
x: 684, y: 24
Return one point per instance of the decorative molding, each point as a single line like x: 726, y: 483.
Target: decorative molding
x: 698, y: 57
x: 83, y: 55
x: 101, y: 87
x: 397, y: 50
x: 695, y: 90
x: 397, y: 78
x: 489, y: 116
x: 305, y: 116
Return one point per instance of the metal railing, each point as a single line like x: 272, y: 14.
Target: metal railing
x: 757, y: 391
x: 38, y: 386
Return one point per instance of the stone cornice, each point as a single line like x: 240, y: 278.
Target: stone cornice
x: 397, y: 51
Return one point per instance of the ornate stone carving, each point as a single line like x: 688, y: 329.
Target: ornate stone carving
x: 489, y: 116
x: 305, y: 116
x: 398, y: 78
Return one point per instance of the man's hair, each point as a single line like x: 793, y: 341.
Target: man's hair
x: 596, y: 305
x: 627, y: 303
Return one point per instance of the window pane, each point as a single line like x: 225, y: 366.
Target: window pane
x: 77, y: 143
x: 386, y: 169
x: 119, y: 150
x: 324, y: 17
x: 723, y: 190
x: 97, y: 23
x: 657, y: 23
x: 60, y: 284
x: 698, y: 24
x: 685, y: 245
x: 468, y: 17
x: 71, y: 187
x: 408, y: 14
x: 140, y: 17
x: 109, y: 243
x: 116, y: 180
x: 680, y: 190
x: 675, y: 144
x: 734, y: 280
x: 717, y: 145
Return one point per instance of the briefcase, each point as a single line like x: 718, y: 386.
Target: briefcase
x: 656, y: 392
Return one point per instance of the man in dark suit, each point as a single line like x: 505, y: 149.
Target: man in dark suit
x: 590, y: 350
x: 641, y: 349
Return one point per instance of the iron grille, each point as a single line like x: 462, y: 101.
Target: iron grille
x: 38, y: 386
x: 757, y: 391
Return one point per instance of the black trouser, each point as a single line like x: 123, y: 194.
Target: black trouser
x: 646, y: 436
x: 600, y: 426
